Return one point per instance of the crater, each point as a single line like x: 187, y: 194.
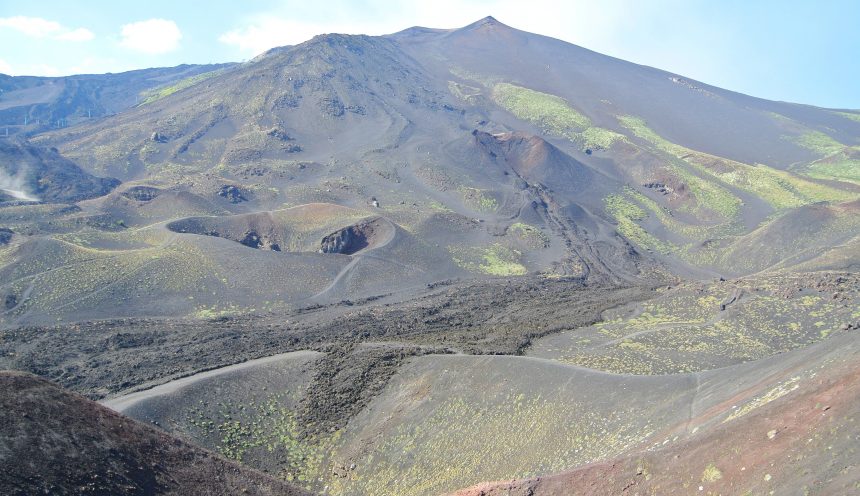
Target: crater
x: 141, y: 193
x: 275, y: 231
x: 358, y: 237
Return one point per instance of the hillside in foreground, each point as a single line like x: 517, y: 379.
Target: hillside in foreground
x: 56, y: 442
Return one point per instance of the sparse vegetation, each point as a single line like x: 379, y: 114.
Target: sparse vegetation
x: 711, y: 473
x: 156, y: 94
x: 495, y: 260
x: 553, y: 115
x: 478, y: 200
x: 627, y: 215
x: 779, y: 188
x: 686, y: 329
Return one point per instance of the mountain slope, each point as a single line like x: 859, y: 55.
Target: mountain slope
x: 31, y: 104
x: 43, y: 174
x: 502, y: 152
x: 792, y: 431
x: 87, y: 448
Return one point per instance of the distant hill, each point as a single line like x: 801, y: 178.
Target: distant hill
x: 30, y: 104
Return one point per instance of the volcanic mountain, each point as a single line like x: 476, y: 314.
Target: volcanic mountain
x: 31, y: 104
x: 305, y: 261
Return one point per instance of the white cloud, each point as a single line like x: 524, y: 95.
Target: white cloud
x: 36, y: 27
x: 80, y: 34
x: 152, y: 36
x: 31, y: 26
x: 268, y: 32
x: 5, y: 67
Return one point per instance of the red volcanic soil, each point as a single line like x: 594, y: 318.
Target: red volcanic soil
x: 806, y: 442
x: 56, y: 442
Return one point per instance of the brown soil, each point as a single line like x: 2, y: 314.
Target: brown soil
x: 803, y: 443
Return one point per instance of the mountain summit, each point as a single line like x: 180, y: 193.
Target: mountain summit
x: 407, y: 264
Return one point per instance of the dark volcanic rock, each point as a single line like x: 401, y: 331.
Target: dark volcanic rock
x: 142, y: 193
x: 232, y: 193
x: 252, y: 240
x: 348, y: 240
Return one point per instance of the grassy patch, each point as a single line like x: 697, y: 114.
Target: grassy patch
x: 626, y: 214
x: 547, y: 111
x: 467, y: 439
x: 819, y: 143
x: 553, y: 115
x: 838, y: 167
x: 478, y: 200
x: 849, y: 115
x: 711, y: 473
x: 495, y: 260
x: 532, y: 236
x: 685, y: 330
x: 268, y: 427
x: 778, y: 188
x: 156, y: 94
x: 840, y: 162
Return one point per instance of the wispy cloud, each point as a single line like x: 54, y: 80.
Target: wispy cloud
x: 80, y: 34
x: 37, y: 27
x: 152, y: 36
x: 271, y: 31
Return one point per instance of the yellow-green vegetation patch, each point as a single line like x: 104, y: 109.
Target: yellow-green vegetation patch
x: 599, y: 138
x: 840, y: 162
x: 477, y: 199
x: 780, y: 189
x: 711, y: 473
x: 467, y: 440
x: 530, y: 235
x: 709, y: 194
x: 553, y: 115
x: 695, y: 328
x: 697, y: 232
x: 208, y: 312
x: 849, y: 115
x: 772, y: 394
x: 156, y: 94
x: 839, y: 167
x: 495, y: 260
x: 819, y: 143
x: 548, y: 111
x: 464, y: 92
x: 627, y: 214
x: 270, y: 427
x: 438, y: 207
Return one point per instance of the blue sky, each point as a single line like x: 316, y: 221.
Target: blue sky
x: 800, y: 51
